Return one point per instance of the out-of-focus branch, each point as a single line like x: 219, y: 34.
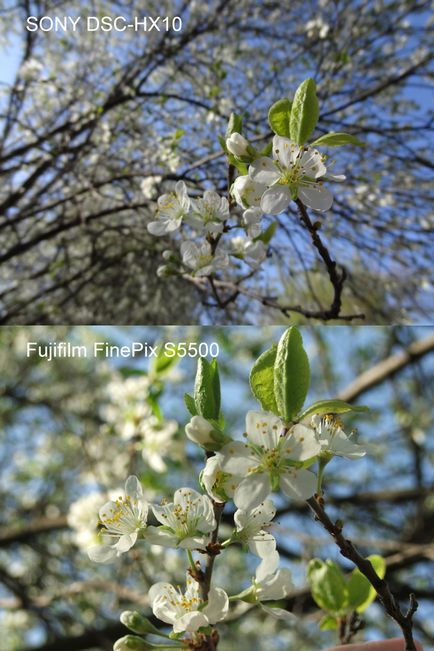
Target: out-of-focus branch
x: 387, y: 368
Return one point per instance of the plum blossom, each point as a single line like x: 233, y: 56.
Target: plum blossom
x: 124, y: 520
x: 81, y: 518
x: 201, y: 259
x: 253, y: 253
x: 296, y: 172
x: 187, y: 612
x: 172, y: 208
x: 248, y: 192
x: 218, y: 484
x: 209, y: 214
x: 333, y: 439
x: 252, y: 221
x: 251, y: 528
x: 269, y: 459
x: 237, y: 145
x: 272, y: 583
x: 186, y: 522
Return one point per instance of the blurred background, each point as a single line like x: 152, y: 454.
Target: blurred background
x: 95, y: 126
x: 72, y: 430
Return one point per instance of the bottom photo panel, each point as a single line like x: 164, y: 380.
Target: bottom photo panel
x: 216, y: 488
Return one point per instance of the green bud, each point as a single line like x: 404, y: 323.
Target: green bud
x: 164, y: 271
x: 138, y: 623
x: 131, y: 643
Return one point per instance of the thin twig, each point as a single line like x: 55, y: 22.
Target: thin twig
x: 348, y: 550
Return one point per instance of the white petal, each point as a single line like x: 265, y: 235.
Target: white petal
x: 263, y: 170
x: 298, y: 484
x: 237, y: 458
x: 317, y: 198
x: 284, y: 150
x: 335, y: 177
x: 190, y: 622
x: 194, y: 542
x: 279, y: 613
x: 267, y: 567
x: 161, y: 589
x: 278, y: 586
x: 101, y: 553
x: 253, y: 490
x: 218, y: 605
x: 262, y: 545
x: 106, y: 511
x: 125, y: 542
x: 159, y: 536
x: 276, y: 199
x: 157, y: 228
x: 263, y: 429
x: 343, y: 446
x: 133, y: 487
x: 302, y: 443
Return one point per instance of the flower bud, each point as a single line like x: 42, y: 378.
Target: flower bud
x: 164, y: 271
x: 199, y: 430
x: 138, y: 623
x: 169, y: 255
x: 237, y: 145
x: 131, y: 643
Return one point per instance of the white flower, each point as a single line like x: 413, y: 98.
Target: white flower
x: 171, y: 210
x: 237, y: 145
x: 200, y: 258
x: 248, y: 192
x: 293, y: 174
x: 272, y: 583
x: 251, y: 528
x: 218, y: 484
x: 209, y: 213
x: 81, y: 519
x: 269, y: 459
x: 186, y: 522
x: 187, y: 612
x: 30, y: 70
x: 333, y: 439
x: 157, y: 442
x: 124, y: 519
x: 253, y: 253
x: 252, y: 220
x: 148, y: 185
x: 199, y: 430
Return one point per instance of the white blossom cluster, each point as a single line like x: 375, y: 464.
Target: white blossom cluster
x: 203, y: 223
x: 273, y: 457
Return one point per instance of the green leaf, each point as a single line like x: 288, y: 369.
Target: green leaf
x: 279, y: 115
x: 241, y: 167
x: 235, y: 124
x: 262, y: 380
x: 206, y: 396
x: 334, y: 406
x: 190, y: 404
x: 267, y: 235
x: 328, y: 586
x: 163, y: 362
x: 360, y: 591
x: 222, y: 142
x: 267, y: 150
x: 336, y: 139
x: 216, y: 386
x: 328, y: 623
x: 304, y: 112
x: 291, y: 374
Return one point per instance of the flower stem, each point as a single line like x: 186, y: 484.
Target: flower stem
x: 191, y: 561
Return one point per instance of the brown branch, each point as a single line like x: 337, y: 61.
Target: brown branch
x: 337, y: 278
x: 387, y: 368
x: 348, y: 550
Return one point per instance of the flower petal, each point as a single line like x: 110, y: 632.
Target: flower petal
x: 263, y: 170
x: 101, y: 553
x: 253, y: 490
x: 276, y: 199
x: 190, y: 622
x: 218, y: 605
x: 298, y: 484
x: 316, y: 197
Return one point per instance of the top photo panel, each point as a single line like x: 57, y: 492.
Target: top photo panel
x: 224, y: 162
